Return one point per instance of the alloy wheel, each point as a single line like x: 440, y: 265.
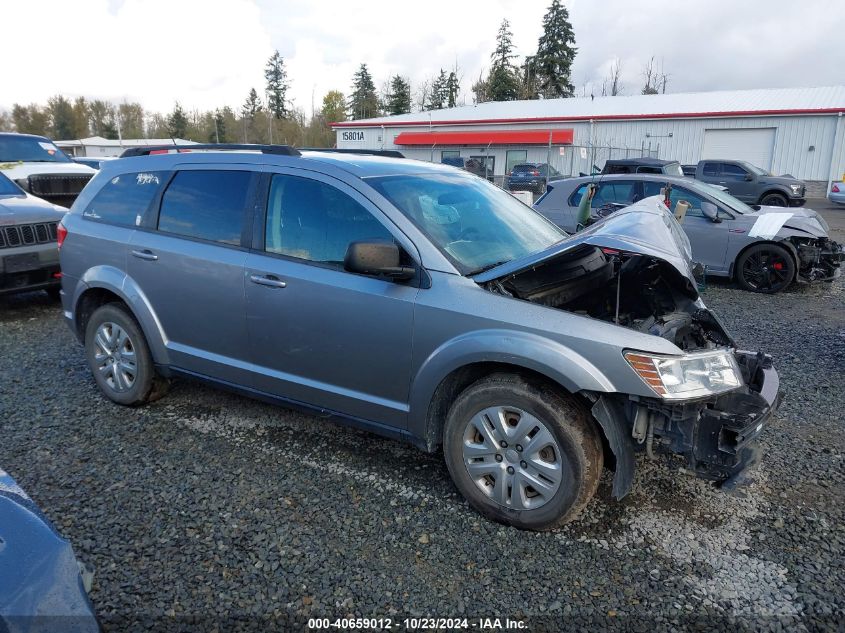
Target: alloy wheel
x: 512, y: 457
x: 114, y: 356
x: 766, y: 270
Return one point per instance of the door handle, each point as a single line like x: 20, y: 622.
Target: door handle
x: 146, y: 255
x: 268, y: 280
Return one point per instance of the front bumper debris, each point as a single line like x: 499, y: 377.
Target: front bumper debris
x: 820, y: 261
x: 717, y: 436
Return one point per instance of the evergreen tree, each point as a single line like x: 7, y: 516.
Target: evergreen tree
x: 363, y: 103
x: 529, y: 87
x: 399, y: 99
x: 177, y: 122
x: 555, y: 53
x: 252, y: 105
x: 438, y: 96
x: 61, y: 118
x: 453, y: 89
x: 502, y: 83
x: 277, y: 86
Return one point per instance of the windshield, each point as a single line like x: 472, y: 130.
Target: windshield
x: 30, y: 149
x: 722, y: 196
x: 673, y: 169
x: 8, y: 188
x: 476, y: 224
x: 754, y: 169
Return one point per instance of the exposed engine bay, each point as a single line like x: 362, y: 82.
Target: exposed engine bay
x: 636, y: 291
x: 818, y: 258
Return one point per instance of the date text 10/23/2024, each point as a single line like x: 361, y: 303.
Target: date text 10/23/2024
x: 413, y: 624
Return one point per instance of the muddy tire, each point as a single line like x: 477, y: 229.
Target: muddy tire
x: 522, y: 453
x: 774, y: 200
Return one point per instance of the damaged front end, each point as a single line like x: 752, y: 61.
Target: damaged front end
x: 708, y: 402
x: 819, y: 259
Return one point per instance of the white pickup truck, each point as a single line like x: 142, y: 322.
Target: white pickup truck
x: 42, y: 169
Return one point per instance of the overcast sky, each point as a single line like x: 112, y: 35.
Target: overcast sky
x: 208, y: 53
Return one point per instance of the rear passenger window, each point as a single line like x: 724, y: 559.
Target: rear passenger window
x: 314, y: 221
x: 208, y: 205
x: 124, y: 199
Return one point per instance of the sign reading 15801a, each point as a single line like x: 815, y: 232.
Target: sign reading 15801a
x: 352, y: 136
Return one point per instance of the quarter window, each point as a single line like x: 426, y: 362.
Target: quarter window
x: 124, y: 199
x: 314, y: 221
x: 208, y: 205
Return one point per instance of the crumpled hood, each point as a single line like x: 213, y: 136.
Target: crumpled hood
x: 645, y: 228
x: 16, y: 171
x: 26, y: 209
x: 803, y: 221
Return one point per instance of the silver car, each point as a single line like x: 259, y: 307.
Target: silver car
x: 417, y: 301
x: 29, y: 258
x: 837, y: 193
x: 764, y: 248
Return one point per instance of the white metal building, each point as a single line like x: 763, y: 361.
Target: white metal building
x: 797, y: 131
x: 98, y: 147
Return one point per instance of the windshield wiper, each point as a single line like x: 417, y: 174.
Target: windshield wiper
x: 483, y: 269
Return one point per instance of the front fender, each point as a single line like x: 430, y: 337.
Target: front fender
x: 116, y: 281
x: 529, y: 351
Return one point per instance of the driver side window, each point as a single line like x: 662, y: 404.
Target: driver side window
x: 314, y: 221
x: 678, y: 193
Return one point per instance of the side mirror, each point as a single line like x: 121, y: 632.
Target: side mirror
x: 710, y: 211
x: 376, y: 257
x: 749, y: 177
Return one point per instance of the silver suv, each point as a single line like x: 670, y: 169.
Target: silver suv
x: 417, y: 301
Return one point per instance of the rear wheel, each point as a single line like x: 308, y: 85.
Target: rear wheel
x: 767, y: 268
x: 774, y: 200
x: 521, y: 453
x: 119, y: 357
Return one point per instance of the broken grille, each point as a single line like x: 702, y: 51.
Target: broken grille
x: 27, y: 234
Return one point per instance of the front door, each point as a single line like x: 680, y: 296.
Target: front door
x: 189, y: 263
x: 708, y: 239
x: 318, y: 334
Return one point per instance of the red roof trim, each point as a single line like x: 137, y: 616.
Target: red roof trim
x: 602, y: 117
x: 499, y: 137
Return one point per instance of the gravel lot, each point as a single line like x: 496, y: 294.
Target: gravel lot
x: 216, y: 507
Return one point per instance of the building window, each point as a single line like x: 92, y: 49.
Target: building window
x: 449, y: 154
x: 514, y: 157
x: 484, y: 166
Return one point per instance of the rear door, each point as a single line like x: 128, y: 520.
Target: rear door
x: 319, y: 334
x: 188, y: 259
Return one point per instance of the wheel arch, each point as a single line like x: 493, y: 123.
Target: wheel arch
x: 768, y: 192
x: 102, y: 286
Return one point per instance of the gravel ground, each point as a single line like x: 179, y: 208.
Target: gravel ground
x: 210, y: 506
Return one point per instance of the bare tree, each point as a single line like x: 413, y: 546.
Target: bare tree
x: 612, y: 84
x: 656, y: 79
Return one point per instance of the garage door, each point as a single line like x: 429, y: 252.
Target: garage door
x: 753, y: 145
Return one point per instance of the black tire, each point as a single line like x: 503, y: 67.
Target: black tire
x: 774, y: 200
x: 766, y: 268
x: 145, y: 385
x: 577, y: 448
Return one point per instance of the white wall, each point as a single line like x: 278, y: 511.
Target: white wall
x: 792, y: 155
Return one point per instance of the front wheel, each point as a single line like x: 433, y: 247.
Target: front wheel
x: 521, y: 453
x: 766, y: 268
x: 774, y: 200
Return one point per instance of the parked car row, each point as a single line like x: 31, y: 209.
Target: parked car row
x: 764, y: 248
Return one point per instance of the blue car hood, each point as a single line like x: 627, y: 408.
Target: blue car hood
x: 644, y: 228
x: 40, y: 586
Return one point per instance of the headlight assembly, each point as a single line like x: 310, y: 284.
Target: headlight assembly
x: 796, y: 189
x: 689, y: 376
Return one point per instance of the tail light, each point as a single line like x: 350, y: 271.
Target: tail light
x: 61, y: 234
x: 834, y: 189
x: 535, y: 173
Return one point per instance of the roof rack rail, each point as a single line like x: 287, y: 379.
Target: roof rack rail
x: 388, y: 153
x: 280, y: 150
